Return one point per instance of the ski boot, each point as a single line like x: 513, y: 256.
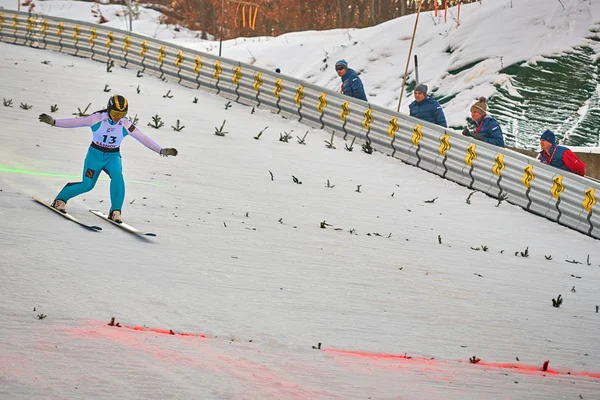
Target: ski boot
x: 115, y: 215
x: 59, y: 205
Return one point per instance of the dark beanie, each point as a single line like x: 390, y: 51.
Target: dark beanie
x: 421, y: 89
x: 342, y: 63
x: 548, y: 136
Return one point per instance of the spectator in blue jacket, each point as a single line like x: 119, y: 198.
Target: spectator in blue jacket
x: 351, y: 84
x: 485, y: 127
x: 559, y: 156
x: 426, y: 107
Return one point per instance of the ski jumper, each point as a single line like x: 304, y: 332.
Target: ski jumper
x: 103, y: 155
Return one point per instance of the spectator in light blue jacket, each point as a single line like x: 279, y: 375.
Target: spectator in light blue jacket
x: 485, y: 128
x: 426, y: 107
x: 351, y: 84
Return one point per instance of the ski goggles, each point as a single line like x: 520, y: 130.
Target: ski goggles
x: 117, y: 115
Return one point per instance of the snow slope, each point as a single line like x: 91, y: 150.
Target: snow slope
x: 498, y: 33
x: 460, y: 59
x: 390, y: 269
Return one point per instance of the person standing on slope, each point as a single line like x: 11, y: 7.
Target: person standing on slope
x: 351, y: 84
x: 109, y: 128
x: 485, y: 127
x: 559, y: 156
x: 426, y: 107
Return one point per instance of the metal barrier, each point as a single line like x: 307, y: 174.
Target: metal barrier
x: 558, y: 195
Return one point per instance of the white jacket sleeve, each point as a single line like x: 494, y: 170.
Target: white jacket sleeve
x: 140, y: 137
x: 78, y: 122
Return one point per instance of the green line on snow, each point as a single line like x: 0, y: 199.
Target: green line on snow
x: 26, y: 172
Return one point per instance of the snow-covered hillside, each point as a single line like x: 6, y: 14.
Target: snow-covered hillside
x: 535, y: 59
x: 388, y: 269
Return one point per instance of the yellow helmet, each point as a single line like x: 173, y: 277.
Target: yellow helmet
x: 117, y: 107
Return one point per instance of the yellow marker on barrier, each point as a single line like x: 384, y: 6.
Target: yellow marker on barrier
x: 144, y: 49
x: 417, y: 135
x: 558, y: 187
x: 257, y: 81
x: 278, y: 87
x: 368, y: 119
x: 45, y: 27
x: 198, y: 64
x: 93, y: 36
x: 110, y: 39
x: 30, y: 24
x: 345, y: 111
x: 393, y: 127
x: 127, y: 44
x: 528, y: 175
x: 60, y: 29
x: 15, y: 22
x: 444, y: 144
x: 590, y: 199
x: 299, y: 95
x: 237, y: 75
x: 471, y: 154
x: 499, y: 165
x: 217, y: 70
x: 322, y: 102
x: 161, y: 54
x: 76, y: 33
x: 179, y: 59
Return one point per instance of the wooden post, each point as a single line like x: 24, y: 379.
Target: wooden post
x: 409, y: 54
x: 445, y: 9
x: 221, y: 28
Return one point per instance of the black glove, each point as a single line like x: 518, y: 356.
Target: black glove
x: 168, y: 152
x: 467, y: 132
x: 45, y: 118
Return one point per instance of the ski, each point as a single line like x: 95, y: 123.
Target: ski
x: 122, y: 225
x: 68, y: 216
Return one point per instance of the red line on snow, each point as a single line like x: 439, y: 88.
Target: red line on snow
x: 404, y: 358
x: 379, y: 355
x: 523, y: 368
x: 266, y: 381
x: 163, y: 331
x: 540, y: 370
